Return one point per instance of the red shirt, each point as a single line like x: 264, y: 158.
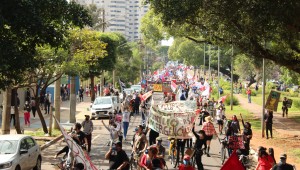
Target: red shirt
x: 248, y: 91
x: 183, y: 167
x: 265, y: 163
x: 209, y: 129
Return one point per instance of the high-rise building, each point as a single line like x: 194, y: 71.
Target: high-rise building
x: 122, y: 16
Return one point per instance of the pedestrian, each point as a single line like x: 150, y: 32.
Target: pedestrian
x: 265, y: 161
x: 219, y: 116
x: 47, y: 103
x: 241, y: 87
x: 235, y: 125
x: 140, y: 141
x: 282, y: 165
x: 271, y: 152
x: 228, y: 133
x: 27, y: 95
x: 87, y: 91
x: 80, y: 92
x: 200, y: 141
x: 118, y: 121
x: 143, y: 110
x: 137, y: 102
x: 148, y: 156
x: 113, y: 131
x: 247, y: 133
x: 285, y: 107
x: 152, y: 136
x: 27, y: 110
x: 209, y: 130
x: 33, y: 106
x: 118, y: 159
x: 248, y: 92
x: 88, y: 128
x: 269, y: 121
x: 12, y: 115
x: 256, y: 87
x: 126, y: 120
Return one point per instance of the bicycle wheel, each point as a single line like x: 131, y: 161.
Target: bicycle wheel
x: 223, y: 155
x: 173, y: 155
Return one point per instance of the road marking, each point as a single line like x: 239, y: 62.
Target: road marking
x: 95, y: 138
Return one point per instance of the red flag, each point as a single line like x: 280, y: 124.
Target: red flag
x: 223, y: 98
x: 146, y: 95
x: 173, y: 85
x: 233, y: 163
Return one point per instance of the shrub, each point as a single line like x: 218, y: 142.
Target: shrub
x: 253, y: 93
x: 235, y: 101
x: 296, y: 103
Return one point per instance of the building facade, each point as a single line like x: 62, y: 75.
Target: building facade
x: 122, y: 16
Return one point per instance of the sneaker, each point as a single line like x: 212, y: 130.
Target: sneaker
x: 208, y: 155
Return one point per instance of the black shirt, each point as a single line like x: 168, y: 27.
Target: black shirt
x: 118, y: 158
x: 281, y: 166
x: 81, y: 137
x: 199, y: 142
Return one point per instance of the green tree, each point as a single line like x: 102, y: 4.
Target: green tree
x: 245, y: 24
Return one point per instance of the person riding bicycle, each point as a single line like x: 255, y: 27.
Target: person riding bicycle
x: 200, y: 141
x: 187, y: 165
x: 161, y: 150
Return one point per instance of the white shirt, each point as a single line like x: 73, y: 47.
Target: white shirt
x: 219, y: 114
x: 126, y: 116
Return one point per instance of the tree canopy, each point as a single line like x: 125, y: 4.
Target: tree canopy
x: 26, y: 24
x: 261, y: 29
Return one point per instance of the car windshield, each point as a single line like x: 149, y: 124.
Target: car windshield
x: 99, y: 101
x: 8, y: 146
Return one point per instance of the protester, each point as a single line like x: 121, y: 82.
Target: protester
x: 160, y: 148
x: 248, y: 92
x: 219, y: 116
x: 265, y: 161
x: 47, y: 103
x: 187, y: 165
x: 269, y: 121
x: 118, y: 159
x: 33, y: 106
x: 204, y: 114
x: 143, y: 110
x: 80, y: 93
x: 272, y: 154
x: 282, y: 165
x: 200, y: 141
x: 27, y: 110
x: 88, y: 128
x: 235, y: 125
x: 247, y: 132
x: 285, y: 107
x: 113, y: 131
x: 228, y: 133
x: 140, y: 141
x: 148, y: 156
x: 209, y: 130
x: 126, y: 120
x: 78, y: 136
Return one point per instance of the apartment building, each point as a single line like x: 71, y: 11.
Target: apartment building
x: 122, y: 16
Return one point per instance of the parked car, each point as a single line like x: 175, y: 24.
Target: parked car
x: 19, y: 152
x: 128, y: 91
x: 103, y: 106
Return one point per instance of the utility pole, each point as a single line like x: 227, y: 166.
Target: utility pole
x: 204, y: 60
x: 218, y: 71
x: 231, y: 70
x: 209, y: 72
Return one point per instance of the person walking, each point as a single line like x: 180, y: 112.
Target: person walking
x: 269, y: 121
x: 126, y: 120
x: 209, y: 130
x: 27, y: 110
x: 285, y: 107
x: 219, y: 116
x: 265, y: 161
x: 248, y: 92
x: 282, y: 165
x: 80, y: 93
x: 137, y: 102
x: 88, y: 128
x: 47, y: 102
x: 200, y: 141
x: 247, y: 132
x: 12, y: 115
x: 235, y: 125
x: 33, y: 106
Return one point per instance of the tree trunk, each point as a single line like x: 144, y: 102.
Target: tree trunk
x: 39, y: 112
x: 101, y: 84
x: 92, y: 77
x: 6, y: 111
x: 72, y: 100
x: 57, y: 102
x: 16, y: 110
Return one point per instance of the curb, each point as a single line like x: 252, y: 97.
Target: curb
x: 43, y: 147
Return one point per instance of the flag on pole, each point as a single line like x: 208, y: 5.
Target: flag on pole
x: 122, y: 85
x: 173, y: 85
x: 233, y: 161
x: 79, y: 155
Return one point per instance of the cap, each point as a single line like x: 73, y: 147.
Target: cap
x: 186, y: 157
x: 159, y: 139
x: 118, y: 143
x: 283, y: 156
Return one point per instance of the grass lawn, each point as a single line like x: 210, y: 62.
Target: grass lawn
x: 41, y: 133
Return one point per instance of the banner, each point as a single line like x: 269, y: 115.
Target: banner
x: 157, y: 87
x: 79, y: 155
x: 272, y: 101
x: 236, y: 142
x: 174, y: 119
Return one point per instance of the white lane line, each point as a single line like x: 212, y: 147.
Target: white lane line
x: 95, y: 138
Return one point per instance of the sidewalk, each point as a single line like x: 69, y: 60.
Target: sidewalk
x: 35, y: 124
x: 280, y: 124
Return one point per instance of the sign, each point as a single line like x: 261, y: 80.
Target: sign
x: 272, y: 101
x: 174, y: 119
x: 236, y: 142
x: 157, y: 87
x: 79, y: 155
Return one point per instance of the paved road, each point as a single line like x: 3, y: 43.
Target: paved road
x: 99, y: 148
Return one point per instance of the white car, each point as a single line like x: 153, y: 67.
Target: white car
x: 19, y: 152
x: 104, y: 106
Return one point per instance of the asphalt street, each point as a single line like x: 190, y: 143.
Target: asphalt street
x: 99, y: 148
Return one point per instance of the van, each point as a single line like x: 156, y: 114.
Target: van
x: 103, y: 106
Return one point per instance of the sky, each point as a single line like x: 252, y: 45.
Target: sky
x: 168, y: 42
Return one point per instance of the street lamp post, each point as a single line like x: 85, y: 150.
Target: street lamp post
x: 218, y: 71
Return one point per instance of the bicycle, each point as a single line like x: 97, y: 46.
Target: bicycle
x: 64, y: 163
x: 134, y: 160
x: 173, y: 152
x: 224, y: 147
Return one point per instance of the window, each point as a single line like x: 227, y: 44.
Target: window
x: 30, y: 142
x: 23, y: 145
